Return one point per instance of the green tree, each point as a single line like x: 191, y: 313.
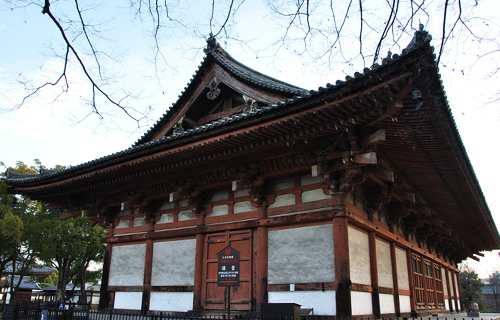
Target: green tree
x: 49, y: 281
x: 11, y: 226
x: 29, y: 230
x: 470, y: 284
x: 19, y: 234
x: 69, y: 246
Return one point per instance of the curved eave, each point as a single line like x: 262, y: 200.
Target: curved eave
x: 215, y: 54
x: 289, y: 106
x: 444, y: 177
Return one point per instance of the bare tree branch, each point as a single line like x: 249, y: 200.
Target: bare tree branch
x: 95, y: 86
x: 84, y: 28
x: 445, y: 12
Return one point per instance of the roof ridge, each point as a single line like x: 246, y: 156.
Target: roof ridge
x: 245, y: 73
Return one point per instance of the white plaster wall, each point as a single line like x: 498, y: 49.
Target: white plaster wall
x: 220, y: 210
x: 454, y: 277
x: 186, y: 215
x: 128, y: 300
x: 283, y: 185
x: 402, y: 268
x: 387, y: 303
x: 359, y: 257
x: 301, y: 255
x: 127, y: 265
x: 384, y: 264
x: 361, y: 303
x: 323, y: 302
x: 314, y: 195
x: 283, y: 200
x: 183, y: 202
x: 167, y: 205
x: 383, y: 219
x: 450, y: 277
x: 173, y: 263
x: 243, y: 206
x: 443, y: 280
x: 166, y: 218
x: 124, y: 223
x: 350, y: 198
x: 241, y: 193
x: 139, y: 222
x: 308, y: 180
x: 171, y: 301
x: 221, y: 195
x: 447, y: 304
x: 125, y: 212
x: 360, y: 204
x: 404, y: 303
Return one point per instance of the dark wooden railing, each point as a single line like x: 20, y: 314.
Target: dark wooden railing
x: 54, y: 311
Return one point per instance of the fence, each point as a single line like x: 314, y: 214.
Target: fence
x: 54, y: 311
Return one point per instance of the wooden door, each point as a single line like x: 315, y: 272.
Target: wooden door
x: 213, y: 295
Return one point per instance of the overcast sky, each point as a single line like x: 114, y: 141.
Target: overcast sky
x: 57, y: 129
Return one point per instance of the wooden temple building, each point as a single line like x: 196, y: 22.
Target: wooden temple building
x: 356, y: 199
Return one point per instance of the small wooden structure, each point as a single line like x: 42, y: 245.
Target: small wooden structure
x: 356, y: 199
x: 24, y: 292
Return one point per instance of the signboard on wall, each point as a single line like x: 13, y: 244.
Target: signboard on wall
x: 228, y: 270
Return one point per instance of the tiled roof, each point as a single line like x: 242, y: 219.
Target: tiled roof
x: 246, y: 73
x: 420, y: 40
x: 69, y: 287
x: 26, y: 283
x: 35, y: 269
x: 238, y: 70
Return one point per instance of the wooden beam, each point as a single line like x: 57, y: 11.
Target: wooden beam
x: 426, y: 211
x: 239, y: 184
x: 374, y: 138
x: 395, y: 106
x: 474, y: 258
x: 365, y: 158
x: 319, y: 169
x: 181, y: 193
x: 190, y: 122
x: 381, y: 173
x: 404, y: 194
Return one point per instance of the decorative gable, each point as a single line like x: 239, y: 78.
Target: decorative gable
x: 217, y: 101
x: 221, y: 88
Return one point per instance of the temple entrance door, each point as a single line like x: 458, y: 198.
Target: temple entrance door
x: 213, y: 295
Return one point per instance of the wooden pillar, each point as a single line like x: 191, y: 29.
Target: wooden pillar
x: 148, y: 266
x: 395, y: 280
x: 341, y: 250
x: 449, y: 289
x: 413, y: 302
x: 104, y: 298
x: 372, y: 241
x: 198, y: 271
x: 424, y: 277
x: 260, y: 256
x: 433, y: 270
